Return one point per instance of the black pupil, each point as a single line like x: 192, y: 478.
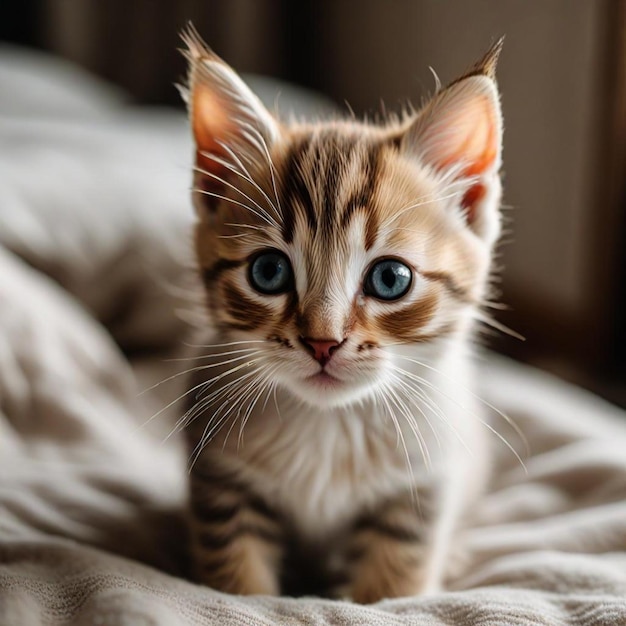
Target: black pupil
x: 388, y: 277
x: 269, y: 269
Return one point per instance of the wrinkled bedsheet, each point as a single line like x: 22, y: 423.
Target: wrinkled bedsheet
x: 94, y: 304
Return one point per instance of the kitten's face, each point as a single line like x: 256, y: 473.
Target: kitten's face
x: 334, y: 248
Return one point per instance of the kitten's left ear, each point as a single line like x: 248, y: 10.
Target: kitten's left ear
x: 225, y: 117
x: 459, y: 135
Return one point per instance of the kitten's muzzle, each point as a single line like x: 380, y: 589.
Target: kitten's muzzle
x: 321, y: 349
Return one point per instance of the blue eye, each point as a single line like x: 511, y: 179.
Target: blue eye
x: 388, y: 280
x: 270, y: 273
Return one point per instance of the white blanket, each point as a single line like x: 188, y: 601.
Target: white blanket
x: 94, y: 221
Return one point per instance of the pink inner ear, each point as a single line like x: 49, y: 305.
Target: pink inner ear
x: 471, y: 199
x: 211, y: 125
x: 472, y: 139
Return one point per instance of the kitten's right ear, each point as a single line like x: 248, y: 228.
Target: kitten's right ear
x: 226, y: 118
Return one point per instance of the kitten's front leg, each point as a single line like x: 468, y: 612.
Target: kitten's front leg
x: 236, y: 539
x: 390, y: 552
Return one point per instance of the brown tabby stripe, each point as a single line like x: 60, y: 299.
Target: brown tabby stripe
x: 248, y: 313
x: 295, y: 190
x: 389, y: 529
x: 326, y: 157
x: 210, y: 274
x: 288, y: 222
x: 291, y: 307
x: 362, y: 197
x: 371, y: 229
x: 208, y: 474
x: 222, y: 539
x: 213, y: 542
x: 405, y: 323
x: 205, y: 483
x: 450, y: 284
x: 260, y: 506
x: 338, y: 152
x: 207, y: 511
x: 444, y: 330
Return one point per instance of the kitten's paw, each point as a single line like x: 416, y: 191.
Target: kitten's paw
x: 392, y: 583
x: 240, y: 585
x: 246, y: 576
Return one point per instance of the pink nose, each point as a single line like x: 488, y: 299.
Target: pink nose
x: 321, y: 349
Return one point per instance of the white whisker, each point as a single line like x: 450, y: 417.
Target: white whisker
x: 400, y: 437
x: 191, y: 414
x: 205, y: 400
x: 264, y: 383
x: 487, y: 319
x: 197, y: 369
x: 506, y: 418
x: 225, y: 345
x: 410, y: 420
x: 204, y: 192
x: 422, y: 397
x: 416, y: 402
x: 245, y: 394
x: 241, y: 225
x: 239, y: 191
x: 420, y: 202
x: 210, y: 355
x: 216, y: 421
x: 243, y: 173
x: 271, y: 165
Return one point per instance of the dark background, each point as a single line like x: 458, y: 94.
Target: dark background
x: 563, y: 79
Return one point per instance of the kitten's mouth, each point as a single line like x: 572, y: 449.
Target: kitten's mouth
x: 327, y: 390
x: 324, y: 379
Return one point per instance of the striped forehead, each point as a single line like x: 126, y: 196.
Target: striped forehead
x: 328, y: 178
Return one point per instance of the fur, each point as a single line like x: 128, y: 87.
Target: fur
x: 346, y: 475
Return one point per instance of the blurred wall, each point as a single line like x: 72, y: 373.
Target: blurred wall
x: 553, y: 83
x: 562, y: 82
x: 562, y: 77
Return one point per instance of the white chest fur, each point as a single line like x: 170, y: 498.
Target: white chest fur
x: 322, y: 468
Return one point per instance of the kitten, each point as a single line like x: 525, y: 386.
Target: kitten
x: 335, y: 440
